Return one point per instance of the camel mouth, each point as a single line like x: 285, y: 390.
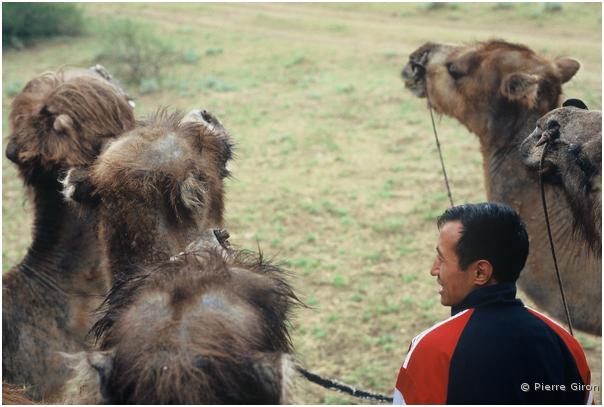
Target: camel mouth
x: 203, y: 117
x: 210, y: 239
x: 222, y: 236
x: 414, y: 77
x: 12, y: 151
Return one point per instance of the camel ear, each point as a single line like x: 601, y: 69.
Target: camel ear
x: 187, y: 198
x: 520, y: 86
x: 567, y: 68
x: 191, y: 193
x: 578, y: 103
x: 63, y: 123
x: 78, y: 187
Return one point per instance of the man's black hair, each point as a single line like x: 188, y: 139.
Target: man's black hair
x: 491, y: 231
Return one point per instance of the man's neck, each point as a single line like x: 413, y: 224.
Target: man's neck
x: 498, y: 293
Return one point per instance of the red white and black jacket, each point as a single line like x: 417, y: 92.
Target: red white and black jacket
x: 494, y: 350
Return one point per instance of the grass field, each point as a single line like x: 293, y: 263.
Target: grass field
x: 336, y: 176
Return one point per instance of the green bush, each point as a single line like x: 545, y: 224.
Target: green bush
x: 135, y: 52
x: 13, y: 88
x: 22, y: 23
x: 552, y: 7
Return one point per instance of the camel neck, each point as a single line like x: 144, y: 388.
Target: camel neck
x: 503, y: 167
x: 62, y: 240
x: 142, y: 237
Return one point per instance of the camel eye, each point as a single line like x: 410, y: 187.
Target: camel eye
x: 553, y: 125
x: 454, y: 71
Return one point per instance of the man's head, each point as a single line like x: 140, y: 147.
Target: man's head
x: 478, y: 244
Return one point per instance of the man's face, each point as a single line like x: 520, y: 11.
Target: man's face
x: 455, y: 283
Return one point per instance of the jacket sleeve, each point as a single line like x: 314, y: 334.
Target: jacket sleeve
x: 575, y: 349
x: 424, y: 376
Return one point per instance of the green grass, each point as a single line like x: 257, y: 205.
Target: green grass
x: 336, y: 173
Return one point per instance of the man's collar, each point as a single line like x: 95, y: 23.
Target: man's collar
x: 497, y: 293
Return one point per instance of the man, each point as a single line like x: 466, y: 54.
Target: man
x: 493, y: 349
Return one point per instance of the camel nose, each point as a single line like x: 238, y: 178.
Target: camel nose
x: 408, y: 73
x: 206, y: 116
x: 12, y: 151
x: 222, y: 236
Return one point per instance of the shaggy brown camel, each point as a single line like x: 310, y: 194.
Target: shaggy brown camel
x: 573, y: 162
x: 498, y: 91
x: 155, y: 188
x: 59, y: 120
x: 205, y: 327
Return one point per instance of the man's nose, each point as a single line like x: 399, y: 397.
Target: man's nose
x: 434, y: 270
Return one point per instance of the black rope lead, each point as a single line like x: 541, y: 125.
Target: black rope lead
x: 332, y: 384
x: 440, y: 154
x: 551, y: 240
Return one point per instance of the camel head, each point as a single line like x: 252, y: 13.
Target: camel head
x: 572, y: 162
x: 63, y: 119
x: 472, y: 82
x: 574, y: 137
x: 157, y: 186
x: 209, y: 326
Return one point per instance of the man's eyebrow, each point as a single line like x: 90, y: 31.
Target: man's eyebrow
x: 439, y: 252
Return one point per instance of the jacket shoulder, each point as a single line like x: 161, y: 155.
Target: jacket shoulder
x: 439, y: 337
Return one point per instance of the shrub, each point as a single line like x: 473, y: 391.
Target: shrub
x: 135, y: 52
x: 215, y: 84
x: 22, y: 23
x: 13, y: 88
x: 190, y: 56
x: 552, y: 7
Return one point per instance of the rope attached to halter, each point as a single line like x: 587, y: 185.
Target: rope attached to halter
x: 440, y: 154
x: 332, y: 384
x: 551, y: 240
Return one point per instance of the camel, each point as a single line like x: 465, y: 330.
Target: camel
x: 185, y: 323
x: 154, y: 188
x: 14, y: 395
x: 59, y: 120
x: 499, y: 90
x: 206, y: 327
x: 573, y: 162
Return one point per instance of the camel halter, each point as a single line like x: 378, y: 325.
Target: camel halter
x: 545, y: 141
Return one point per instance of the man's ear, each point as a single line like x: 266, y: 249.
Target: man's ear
x: 520, y: 86
x: 483, y: 272
x: 78, y: 187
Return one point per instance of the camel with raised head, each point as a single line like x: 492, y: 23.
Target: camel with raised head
x: 572, y: 162
x: 498, y: 91
x: 59, y: 120
x: 185, y: 323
